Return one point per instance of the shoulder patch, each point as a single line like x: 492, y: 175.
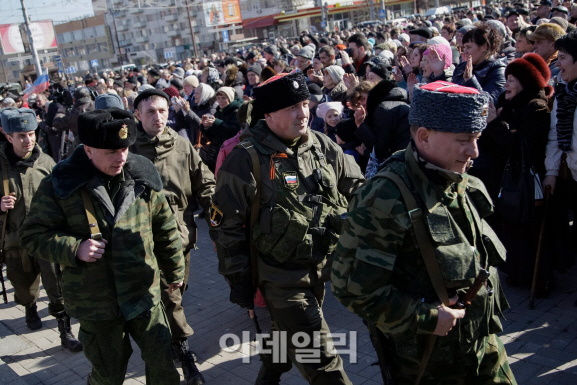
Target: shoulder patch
x: 216, y: 215
x: 291, y: 180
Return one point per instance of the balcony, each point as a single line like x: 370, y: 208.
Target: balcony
x: 172, y: 33
x: 121, y: 27
x: 134, y: 11
x: 141, y: 39
x: 140, y: 24
x: 173, y: 17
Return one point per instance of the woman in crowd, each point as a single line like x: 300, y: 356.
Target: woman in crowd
x: 480, y: 69
x: 211, y: 76
x: 524, y: 45
x: 204, y: 103
x: 437, y: 64
x: 333, y: 84
x: 221, y: 126
x: 330, y: 112
x: 517, y: 132
x: 234, y: 79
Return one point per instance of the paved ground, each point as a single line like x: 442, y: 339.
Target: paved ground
x: 542, y: 343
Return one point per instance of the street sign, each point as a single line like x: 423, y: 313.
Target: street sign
x: 168, y: 54
x: 382, y: 14
x: 70, y: 70
x: 323, y: 24
x: 94, y: 63
x: 57, y: 59
x: 60, y: 66
x: 225, y: 37
x: 19, y: 58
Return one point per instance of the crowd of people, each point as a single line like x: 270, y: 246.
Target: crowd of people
x: 363, y: 87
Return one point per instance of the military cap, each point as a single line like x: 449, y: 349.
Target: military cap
x: 561, y: 9
x: 281, y: 91
x: 447, y: 107
x: 109, y: 129
x: 18, y: 120
x: 148, y: 93
x: 547, y: 3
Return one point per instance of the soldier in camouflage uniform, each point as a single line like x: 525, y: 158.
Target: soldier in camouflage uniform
x: 25, y: 165
x: 380, y: 271
x: 111, y: 263
x: 185, y: 178
x: 305, y: 180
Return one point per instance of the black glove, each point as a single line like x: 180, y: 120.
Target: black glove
x: 242, y: 294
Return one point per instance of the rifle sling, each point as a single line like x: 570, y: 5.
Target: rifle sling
x: 90, y: 215
x: 6, y: 186
x: 428, y: 253
x: 255, y: 207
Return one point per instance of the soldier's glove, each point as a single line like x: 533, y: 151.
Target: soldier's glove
x: 242, y: 294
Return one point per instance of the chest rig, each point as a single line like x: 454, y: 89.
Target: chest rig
x: 301, y: 221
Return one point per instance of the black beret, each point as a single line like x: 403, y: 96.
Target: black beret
x: 292, y: 87
x: 109, y: 129
x: 148, y: 93
x: 154, y: 73
x: 424, y: 32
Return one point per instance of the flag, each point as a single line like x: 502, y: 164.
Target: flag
x: 40, y: 84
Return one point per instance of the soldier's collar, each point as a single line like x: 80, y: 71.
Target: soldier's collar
x: 434, y: 184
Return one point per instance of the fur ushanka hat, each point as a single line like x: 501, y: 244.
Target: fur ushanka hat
x: 532, y: 72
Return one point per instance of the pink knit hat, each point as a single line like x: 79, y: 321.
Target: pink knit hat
x: 442, y: 49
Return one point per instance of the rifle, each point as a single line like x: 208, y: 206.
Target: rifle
x: 375, y: 335
x: 467, y: 298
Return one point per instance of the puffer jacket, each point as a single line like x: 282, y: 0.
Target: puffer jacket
x: 184, y: 176
x: 140, y: 229
x: 488, y: 76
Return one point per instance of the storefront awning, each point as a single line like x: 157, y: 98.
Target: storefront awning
x: 259, y: 22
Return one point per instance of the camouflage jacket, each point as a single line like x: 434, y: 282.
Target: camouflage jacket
x: 24, y: 179
x: 285, y: 175
x: 184, y: 177
x: 379, y: 273
x: 140, y: 229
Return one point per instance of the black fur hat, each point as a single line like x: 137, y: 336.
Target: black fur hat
x: 109, y: 129
x: 281, y: 91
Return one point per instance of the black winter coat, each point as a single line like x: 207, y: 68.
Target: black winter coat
x: 190, y: 123
x: 386, y: 127
x: 488, y: 76
x: 525, y: 117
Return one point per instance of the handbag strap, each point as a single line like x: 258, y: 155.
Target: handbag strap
x: 90, y: 215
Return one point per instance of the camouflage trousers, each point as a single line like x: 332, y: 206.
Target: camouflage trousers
x: 295, y: 310
x: 488, y: 366
x: 173, y: 305
x: 107, y: 346
x: 24, y: 273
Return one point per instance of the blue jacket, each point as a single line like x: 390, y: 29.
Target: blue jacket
x: 488, y: 76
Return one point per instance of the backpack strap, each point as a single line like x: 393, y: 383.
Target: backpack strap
x: 6, y: 186
x: 428, y: 253
x: 255, y: 207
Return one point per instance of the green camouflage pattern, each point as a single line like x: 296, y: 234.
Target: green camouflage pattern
x: 235, y: 191
x: 142, y: 238
x: 184, y: 177
x: 379, y: 273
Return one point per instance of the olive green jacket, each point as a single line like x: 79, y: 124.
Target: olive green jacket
x: 235, y: 191
x: 140, y: 229
x: 24, y: 181
x: 379, y: 272
x: 184, y: 177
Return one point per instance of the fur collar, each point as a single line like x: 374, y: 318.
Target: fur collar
x: 76, y: 171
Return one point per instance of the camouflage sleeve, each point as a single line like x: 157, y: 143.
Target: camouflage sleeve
x: 235, y: 190
x: 42, y: 234
x: 167, y: 243
x: 202, y: 180
x: 376, y: 230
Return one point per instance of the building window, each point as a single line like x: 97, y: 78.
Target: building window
x: 103, y: 47
x: 80, y: 51
x: 92, y: 48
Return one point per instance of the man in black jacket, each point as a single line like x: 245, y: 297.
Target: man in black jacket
x: 360, y: 47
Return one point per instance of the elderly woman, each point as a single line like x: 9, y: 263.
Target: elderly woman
x: 189, y: 121
x: 480, y: 68
x: 221, y: 126
x: 333, y: 84
x: 517, y: 133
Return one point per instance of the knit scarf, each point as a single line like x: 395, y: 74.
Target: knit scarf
x: 566, y: 104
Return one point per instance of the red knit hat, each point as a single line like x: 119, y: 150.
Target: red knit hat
x: 532, y: 72
x: 171, y: 91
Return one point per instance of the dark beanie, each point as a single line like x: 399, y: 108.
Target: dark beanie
x: 346, y: 129
x: 109, y: 129
x: 148, y: 93
x: 292, y: 87
x: 532, y: 72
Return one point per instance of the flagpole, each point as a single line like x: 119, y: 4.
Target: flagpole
x: 31, y: 40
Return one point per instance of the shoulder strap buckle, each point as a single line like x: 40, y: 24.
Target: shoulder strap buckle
x: 415, y: 215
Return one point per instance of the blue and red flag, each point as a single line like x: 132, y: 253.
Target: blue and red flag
x: 40, y: 84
